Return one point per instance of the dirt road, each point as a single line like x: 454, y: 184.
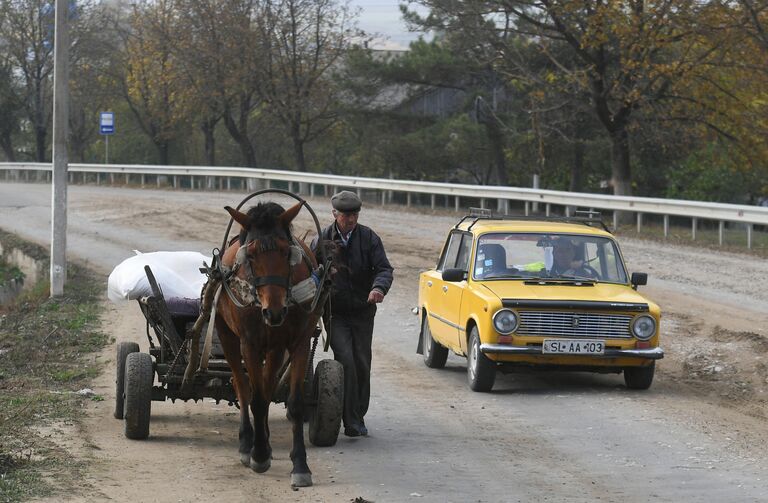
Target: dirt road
x: 697, y: 435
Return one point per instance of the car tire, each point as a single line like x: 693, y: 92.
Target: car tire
x: 123, y: 350
x: 481, y: 371
x: 435, y: 354
x: 639, y: 377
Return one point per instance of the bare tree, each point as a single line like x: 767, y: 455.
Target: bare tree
x: 303, y: 43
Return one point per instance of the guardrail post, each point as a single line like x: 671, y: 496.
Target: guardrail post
x: 311, y: 190
x: 694, y: 222
x: 98, y: 178
x: 749, y: 236
x: 639, y: 222
x: 408, y: 199
x: 548, y: 208
x: 127, y: 178
x: 383, y: 197
x: 432, y: 201
x: 456, y: 203
x: 567, y: 211
x: 527, y: 208
x: 720, y: 232
x: 666, y: 226
x: 502, y: 206
x: 615, y: 220
x: 143, y: 180
x: 175, y: 181
x: 157, y: 181
x: 360, y: 193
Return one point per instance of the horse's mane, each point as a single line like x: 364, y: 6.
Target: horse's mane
x: 263, y: 220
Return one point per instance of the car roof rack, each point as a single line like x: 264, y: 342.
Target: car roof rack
x: 586, y: 217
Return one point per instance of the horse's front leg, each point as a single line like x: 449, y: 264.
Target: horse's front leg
x: 259, y: 376
x: 301, y: 476
x: 231, y: 345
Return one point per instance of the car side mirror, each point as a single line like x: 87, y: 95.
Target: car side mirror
x: 639, y: 279
x: 454, y: 275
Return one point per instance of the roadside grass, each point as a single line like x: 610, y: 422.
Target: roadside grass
x: 46, y: 356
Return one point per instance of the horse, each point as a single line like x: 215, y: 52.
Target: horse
x: 258, y: 321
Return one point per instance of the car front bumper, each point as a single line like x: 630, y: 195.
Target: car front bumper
x: 505, y: 349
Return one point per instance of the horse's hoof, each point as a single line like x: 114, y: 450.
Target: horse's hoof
x: 245, y: 458
x: 261, y: 467
x: 301, y: 479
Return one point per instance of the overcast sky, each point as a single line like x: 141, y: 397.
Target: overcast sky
x: 383, y: 16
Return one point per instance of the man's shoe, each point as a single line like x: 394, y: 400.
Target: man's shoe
x: 363, y: 430
x: 353, y: 431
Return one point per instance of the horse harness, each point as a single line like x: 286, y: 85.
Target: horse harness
x: 243, y: 291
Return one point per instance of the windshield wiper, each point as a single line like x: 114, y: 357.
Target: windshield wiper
x: 562, y: 280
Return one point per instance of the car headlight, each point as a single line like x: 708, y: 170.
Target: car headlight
x: 505, y: 321
x: 643, y: 327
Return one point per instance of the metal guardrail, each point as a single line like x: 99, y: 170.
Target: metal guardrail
x: 695, y: 210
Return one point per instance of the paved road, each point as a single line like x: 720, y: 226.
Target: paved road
x: 537, y: 437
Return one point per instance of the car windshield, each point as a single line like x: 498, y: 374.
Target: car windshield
x: 565, y: 257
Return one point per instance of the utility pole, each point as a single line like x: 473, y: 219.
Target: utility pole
x: 60, y: 155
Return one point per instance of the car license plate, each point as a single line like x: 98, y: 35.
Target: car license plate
x: 573, y: 347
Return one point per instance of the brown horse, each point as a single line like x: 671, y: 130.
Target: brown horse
x: 258, y: 321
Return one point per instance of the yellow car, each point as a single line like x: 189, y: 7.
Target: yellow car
x: 547, y: 293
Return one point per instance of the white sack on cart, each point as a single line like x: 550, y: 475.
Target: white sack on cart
x: 177, y: 273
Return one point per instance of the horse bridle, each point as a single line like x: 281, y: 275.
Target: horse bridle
x: 268, y: 243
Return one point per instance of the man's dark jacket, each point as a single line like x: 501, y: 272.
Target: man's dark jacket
x: 362, y: 265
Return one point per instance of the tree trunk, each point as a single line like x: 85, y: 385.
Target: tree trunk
x: 621, y: 177
x: 163, y: 151
x: 298, y: 151
x: 577, y: 168
x: 40, y: 134
x: 6, y: 143
x: 208, y: 126
x: 496, y: 139
x: 242, y: 140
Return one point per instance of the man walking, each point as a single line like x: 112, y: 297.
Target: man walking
x: 362, y: 279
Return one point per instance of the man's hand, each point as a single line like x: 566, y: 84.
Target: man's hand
x: 375, y: 296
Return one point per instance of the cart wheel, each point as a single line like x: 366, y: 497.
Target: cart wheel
x: 139, y: 377
x: 325, y: 421
x: 123, y: 350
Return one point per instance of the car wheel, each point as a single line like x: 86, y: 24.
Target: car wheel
x: 435, y: 354
x: 481, y: 371
x: 123, y: 350
x: 639, y: 377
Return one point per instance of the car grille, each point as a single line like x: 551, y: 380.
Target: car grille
x: 557, y: 323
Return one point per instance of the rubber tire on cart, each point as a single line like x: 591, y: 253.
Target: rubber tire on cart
x: 123, y: 350
x: 435, y: 354
x: 639, y: 377
x: 139, y: 377
x: 325, y: 420
x: 481, y: 371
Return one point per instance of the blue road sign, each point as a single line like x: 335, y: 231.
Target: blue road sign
x: 107, y: 123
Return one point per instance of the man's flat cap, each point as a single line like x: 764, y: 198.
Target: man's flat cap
x: 346, y: 201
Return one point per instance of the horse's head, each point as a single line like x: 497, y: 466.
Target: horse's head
x: 267, y: 255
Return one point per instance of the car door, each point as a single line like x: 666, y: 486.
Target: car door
x: 446, y: 308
